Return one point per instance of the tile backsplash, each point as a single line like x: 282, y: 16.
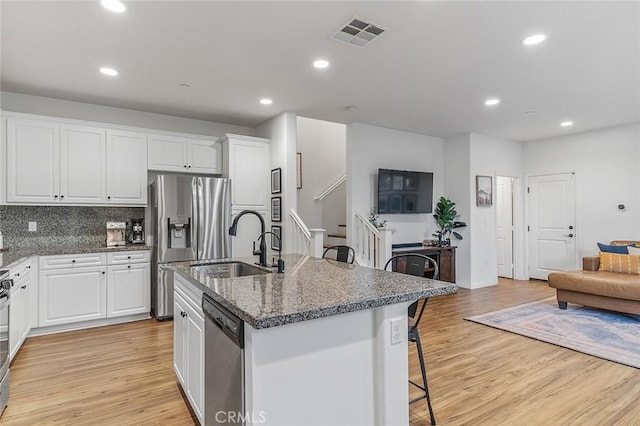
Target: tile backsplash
x: 60, y: 225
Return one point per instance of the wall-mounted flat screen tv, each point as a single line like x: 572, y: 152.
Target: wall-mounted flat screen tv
x: 401, y: 191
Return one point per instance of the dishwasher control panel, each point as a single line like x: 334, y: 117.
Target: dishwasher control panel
x: 229, y: 323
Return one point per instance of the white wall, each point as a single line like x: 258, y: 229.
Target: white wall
x: 282, y: 132
x: 370, y: 148
x: 607, y: 167
x: 40, y: 105
x: 324, y: 156
x: 457, y: 188
x: 494, y: 157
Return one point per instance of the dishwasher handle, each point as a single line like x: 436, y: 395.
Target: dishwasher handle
x: 221, y: 317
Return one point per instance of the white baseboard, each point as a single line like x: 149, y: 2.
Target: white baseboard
x: 41, y: 331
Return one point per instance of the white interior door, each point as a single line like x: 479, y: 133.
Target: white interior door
x: 504, y: 225
x: 552, y: 211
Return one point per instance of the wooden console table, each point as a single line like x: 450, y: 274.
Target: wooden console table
x: 445, y: 257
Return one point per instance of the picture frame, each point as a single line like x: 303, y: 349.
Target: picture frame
x: 484, y: 191
x: 275, y: 242
x: 276, y: 209
x: 276, y: 181
x: 298, y: 170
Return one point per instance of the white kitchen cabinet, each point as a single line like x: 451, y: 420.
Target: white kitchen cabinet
x: 82, y: 164
x: 180, y: 154
x: 189, y: 344
x: 128, y: 289
x: 72, y: 295
x: 33, y: 161
x: 21, y: 305
x: 126, y: 168
x: 247, y: 163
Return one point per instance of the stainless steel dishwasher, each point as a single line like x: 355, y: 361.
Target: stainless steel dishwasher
x: 223, y: 365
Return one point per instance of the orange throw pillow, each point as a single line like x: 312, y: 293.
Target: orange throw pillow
x: 620, y: 263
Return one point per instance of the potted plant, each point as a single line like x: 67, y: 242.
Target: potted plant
x: 375, y: 219
x: 445, y: 216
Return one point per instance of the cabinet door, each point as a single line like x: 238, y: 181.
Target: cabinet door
x: 249, y: 173
x: 128, y: 289
x: 72, y: 295
x: 82, y: 165
x: 179, y: 337
x: 33, y: 150
x: 16, y: 320
x: 204, y: 156
x: 167, y: 153
x: 195, y: 361
x: 126, y: 168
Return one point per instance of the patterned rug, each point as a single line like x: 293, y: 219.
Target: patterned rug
x: 604, y: 334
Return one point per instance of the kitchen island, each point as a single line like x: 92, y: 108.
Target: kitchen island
x: 318, y: 341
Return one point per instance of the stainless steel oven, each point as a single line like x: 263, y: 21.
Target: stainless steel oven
x: 5, y: 288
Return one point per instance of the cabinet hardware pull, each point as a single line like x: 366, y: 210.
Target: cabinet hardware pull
x: 189, y: 167
x: 61, y: 197
x: 183, y: 314
x: 128, y: 257
x: 73, y: 261
x: 108, y: 198
x: 129, y: 266
x: 103, y: 272
x: 17, y: 274
x: 55, y: 196
x: 185, y: 166
x: 23, y: 287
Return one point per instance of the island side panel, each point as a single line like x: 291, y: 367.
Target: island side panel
x: 335, y: 370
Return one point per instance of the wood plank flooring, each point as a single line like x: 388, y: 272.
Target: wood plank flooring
x: 123, y: 375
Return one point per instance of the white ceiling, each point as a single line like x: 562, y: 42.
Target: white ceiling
x: 429, y: 73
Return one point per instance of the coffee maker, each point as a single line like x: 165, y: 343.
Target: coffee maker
x: 137, y: 231
x: 115, y: 234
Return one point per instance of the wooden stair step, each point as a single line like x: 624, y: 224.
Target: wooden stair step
x: 337, y: 235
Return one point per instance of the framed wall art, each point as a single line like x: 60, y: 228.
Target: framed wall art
x: 276, y: 181
x: 275, y: 242
x: 276, y: 209
x: 484, y: 191
x: 299, y: 170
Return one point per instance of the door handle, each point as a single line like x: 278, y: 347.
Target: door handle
x: 569, y: 235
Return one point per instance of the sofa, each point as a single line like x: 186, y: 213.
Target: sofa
x: 614, y: 291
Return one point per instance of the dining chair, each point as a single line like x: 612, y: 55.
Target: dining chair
x: 344, y: 254
x: 416, y: 264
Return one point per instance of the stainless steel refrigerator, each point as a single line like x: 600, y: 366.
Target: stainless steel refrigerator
x: 189, y: 219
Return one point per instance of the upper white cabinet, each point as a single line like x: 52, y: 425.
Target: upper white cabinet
x: 33, y: 164
x: 82, y: 164
x: 247, y: 161
x: 51, y: 163
x: 178, y: 154
x: 126, y: 167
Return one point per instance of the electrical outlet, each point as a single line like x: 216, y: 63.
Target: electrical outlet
x: 33, y: 226
x: 396, y: 331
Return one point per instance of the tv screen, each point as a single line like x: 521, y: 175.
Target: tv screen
x: 401, y: 191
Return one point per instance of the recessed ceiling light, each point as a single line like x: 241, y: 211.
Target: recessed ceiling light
x: 113, y: 5
x: 109, y: 71
x: 566, y: 123
x: 321, y: 63
x: 266, y: 101
x: 534, y: 39
x: 492, y: 102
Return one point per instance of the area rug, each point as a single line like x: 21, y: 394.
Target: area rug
x: 604, y: 334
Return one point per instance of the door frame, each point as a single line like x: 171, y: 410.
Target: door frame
x: 577, y: 213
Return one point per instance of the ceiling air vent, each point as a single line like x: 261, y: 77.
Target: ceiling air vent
x: 358, y: 32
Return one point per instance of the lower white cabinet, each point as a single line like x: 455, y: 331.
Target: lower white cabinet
x: 92, y: 286
x: 72, y: 295
x: 188, y: 349
x: 128, y: 290
x: 20, y: 308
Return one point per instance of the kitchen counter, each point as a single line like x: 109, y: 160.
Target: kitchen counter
x: 310, y: 288
x: 11, y: 256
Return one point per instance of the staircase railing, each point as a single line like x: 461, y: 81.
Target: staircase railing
x: 304, y: 240
x: 372, y: 245
x: 331, y: 188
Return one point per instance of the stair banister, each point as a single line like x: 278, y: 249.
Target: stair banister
x: 306, y: 241
x: 331, y: 188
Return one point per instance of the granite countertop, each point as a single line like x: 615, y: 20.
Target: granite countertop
x: 310, y: 288
x: 11, y: 256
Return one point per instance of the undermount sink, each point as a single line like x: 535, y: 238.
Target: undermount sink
x: 229, y: 270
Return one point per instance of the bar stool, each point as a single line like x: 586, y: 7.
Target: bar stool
x: 416, y: 264
x: 344, y: 253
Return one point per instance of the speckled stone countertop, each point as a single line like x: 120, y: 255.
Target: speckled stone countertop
x: 11, y: 256
x: 310, y: 288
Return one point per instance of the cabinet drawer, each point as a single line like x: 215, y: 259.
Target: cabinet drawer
x: 72, y: 260
x: 20, y: 269
x: 124, y: 257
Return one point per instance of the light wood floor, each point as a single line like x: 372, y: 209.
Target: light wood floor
x: 122, y: 375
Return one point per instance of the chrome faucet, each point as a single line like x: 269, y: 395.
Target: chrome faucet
x: 262, y: 252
